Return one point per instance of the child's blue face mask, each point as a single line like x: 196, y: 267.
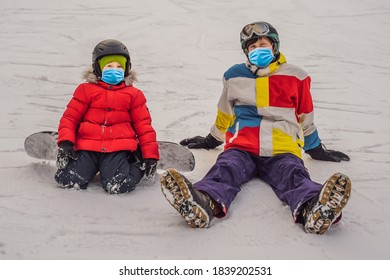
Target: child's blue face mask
x: 261, y: 57
x: 113, y: 76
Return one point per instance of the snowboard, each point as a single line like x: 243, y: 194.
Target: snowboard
x: 43, y: 145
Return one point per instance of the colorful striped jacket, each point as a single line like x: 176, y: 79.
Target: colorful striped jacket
x: 267, y: 113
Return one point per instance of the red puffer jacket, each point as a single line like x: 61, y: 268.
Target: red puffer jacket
x: 105, y: 118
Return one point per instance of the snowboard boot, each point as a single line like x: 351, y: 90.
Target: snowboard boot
x: 196, y: 207
x: 325, y: 209
x: 116, y: 188
x: 113, y: 188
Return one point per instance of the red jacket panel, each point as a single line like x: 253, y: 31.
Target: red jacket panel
x: 105, y: 118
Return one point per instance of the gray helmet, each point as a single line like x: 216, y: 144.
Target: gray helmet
x: 109, y: 47
x: 259, y: 29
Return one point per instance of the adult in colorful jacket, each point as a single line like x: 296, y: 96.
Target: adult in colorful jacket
x: 265, y: 116
x: 107, y: 127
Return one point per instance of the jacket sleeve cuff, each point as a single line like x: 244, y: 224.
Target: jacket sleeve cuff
x: 312, y: 141
x: 217, y: 134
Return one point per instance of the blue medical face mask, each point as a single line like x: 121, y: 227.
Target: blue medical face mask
x: 261, y: 57
x: 113, y: 76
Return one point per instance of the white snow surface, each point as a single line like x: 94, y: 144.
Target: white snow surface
x: 180, y: 50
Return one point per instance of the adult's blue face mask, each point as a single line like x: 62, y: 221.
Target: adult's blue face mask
x: 261, y: 57
x: 113, y: 76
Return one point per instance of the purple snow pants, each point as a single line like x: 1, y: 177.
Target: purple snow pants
x: 285, y: 173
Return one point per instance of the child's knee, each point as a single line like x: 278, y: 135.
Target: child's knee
x: 70, y: 179
x: 117, y: 188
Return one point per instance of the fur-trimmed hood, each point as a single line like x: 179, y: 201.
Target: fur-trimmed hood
x: 91, y: 77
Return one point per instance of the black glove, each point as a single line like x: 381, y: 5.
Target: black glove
x: 65, y: 152
x: 321, y: 153
x: 200, y: 142
x: 149, y: 165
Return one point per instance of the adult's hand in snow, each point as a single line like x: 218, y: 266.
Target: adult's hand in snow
x: 321, y: 153
x: 200, y: 142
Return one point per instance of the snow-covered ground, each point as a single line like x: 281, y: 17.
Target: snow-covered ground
x: 180, y: 49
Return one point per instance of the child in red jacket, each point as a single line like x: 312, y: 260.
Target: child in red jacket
x: 107, y: 127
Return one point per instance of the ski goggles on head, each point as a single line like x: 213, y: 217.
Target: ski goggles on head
x: 256, y: 28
